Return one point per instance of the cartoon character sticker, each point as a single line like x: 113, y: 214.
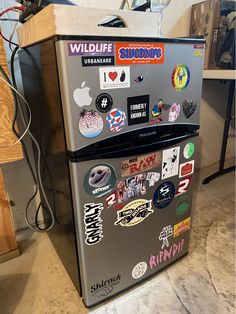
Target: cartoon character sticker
x: 156, y: 112
x: 170, y: 162
x: 189, y: 150
x: 116, y: 120
x: 131, y: 187
x: 180, y: 77
x: 165, y: 233
x: 99, y: 180
x: 174, y: 112
x: 90, y: 123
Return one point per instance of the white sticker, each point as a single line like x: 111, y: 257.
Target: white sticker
x: 139, y: 270
x: 114, y: 77
x: 186, y: 169
x: 81, y: 96
x: 174, y: 112
x: 93, y: 223
x: 153, y: 177
x: 170, y: 162
x: 165, y: 233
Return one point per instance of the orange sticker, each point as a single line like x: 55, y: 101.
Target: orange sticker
x: 139, y: 53
x: 182, y: 227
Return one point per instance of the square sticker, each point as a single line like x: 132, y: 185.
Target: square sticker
x: 138, y: 109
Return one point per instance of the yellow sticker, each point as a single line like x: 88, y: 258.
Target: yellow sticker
x: 198, y: 53
x: 180, y: 77
x: 182, y: 226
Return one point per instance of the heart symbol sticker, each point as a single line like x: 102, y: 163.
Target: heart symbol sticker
x: 113, y: 75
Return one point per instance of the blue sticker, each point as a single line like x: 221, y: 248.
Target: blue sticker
x: 164, y: 195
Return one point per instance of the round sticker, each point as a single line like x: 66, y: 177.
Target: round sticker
x: 104, y: 102
x: 164, y: 195
x: 99, y: 180
x: 180, y: 77
x: 139, y: 270
x: 183, y: 205
x: 116, y: 120
x: 90, y: 123
x: 189, y: 150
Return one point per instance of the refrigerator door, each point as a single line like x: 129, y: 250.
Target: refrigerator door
x: 132, y: 215
x: 112, y: 87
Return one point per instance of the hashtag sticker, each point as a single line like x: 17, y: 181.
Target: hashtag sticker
x: 104, y: 102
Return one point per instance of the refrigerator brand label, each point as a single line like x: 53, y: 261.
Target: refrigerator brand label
x: 165, y: 233
x: 93, y: 223
x: 138, y: 109
x: 131, y: 187
x: 139, y: 53
x: 170, y: 162
x: 186, y: 168
x: 95, y: 61
x: 99, y: 180
x: 105, y: 287
x: 183, y: 205
x: 182, y: 227
x: 164, y: 195
x: 90, y: 123
x: 166, y: 254
x: 139, y: 164
x: 116, y: 120
x: 114, y: 77
x: 174, y: 112
x: 183, y: 186
x: 189, y: 150
x: 104, y: 102
x: 139, y: 270
x: 90, y: 49
x: 134, y: 213
x: 189, y: 107
x: 180, y: 77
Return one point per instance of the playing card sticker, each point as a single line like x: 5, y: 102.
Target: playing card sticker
x: 104, y: 102
x: 99, y: 180
x: 131, y: 187
x: 90, y: 123
x: 138, y: 109
x: 164, y: 195
x: 189, y: 107
x: 180, y: 77
x: 134, y: 213
x: 183, y: 205
x: 186, y: 168
x: 174, y: 112
x: 170, y: 162
x: 93, y: 223
x: 189, y: 150
x: 114, y: 77
x: 183, y: 186
x: 165, y: 233
x: 139, y: 164
x: 139, y: 270
x: 153, y: 177
x: 116, y: 120
x: 182, y: 227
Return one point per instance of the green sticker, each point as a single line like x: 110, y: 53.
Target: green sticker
x: 189, y: 150
x: 183, y: 205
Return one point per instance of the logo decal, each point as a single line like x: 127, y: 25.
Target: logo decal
x: 99, y: 180
x: 90, y: 123
x: 174, y: 112
x: 183, y: 205
x: 93, y: 223
x: 91, y: 49
x: 138, y: 109
x: 105, y: 287
x: 139, y: 270
x: 81, y: 96
x: 131, y: 187
x: 139, y: 53
x: 186, y: 168
x: 164, y: 195
x: 153, y: 177
x: 183, y: 186
x: 114, y: 77
x: 165, y: 233
x: 95, y: 61
x: 170, y: 162
x: 182, y: 227
x: 189, y: 107
x: 116, y: 120
x: 180, y: 77
x: 139, y: 164
x: 189, y: 150
x: 134, y: 213
x: 104, y: 102
x: 111, y: 199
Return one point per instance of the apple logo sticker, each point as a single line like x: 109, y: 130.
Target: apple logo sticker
x: 81, y: 96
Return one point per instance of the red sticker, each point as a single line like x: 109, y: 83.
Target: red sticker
x: 183, y: 186
x: 186, y: 169
x: 111, y: 199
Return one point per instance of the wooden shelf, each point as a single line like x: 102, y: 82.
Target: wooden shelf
x: 219, y: 74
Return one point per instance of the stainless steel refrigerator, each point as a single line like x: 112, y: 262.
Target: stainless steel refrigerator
x: 117, y: 120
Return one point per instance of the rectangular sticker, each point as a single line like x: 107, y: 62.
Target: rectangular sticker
x: 186, y: 169
x: 114, y: 77
x: 95, y: 61
x: 182, y: 227
x: 139, y: 53
x: 170, y: 162
x: 82, y: 48
x: 138, y: 164
x: 138, y: 109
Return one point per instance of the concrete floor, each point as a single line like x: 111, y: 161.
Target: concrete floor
x: 202, y: 282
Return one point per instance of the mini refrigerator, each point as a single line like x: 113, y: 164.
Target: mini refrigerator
x: 117, y: 119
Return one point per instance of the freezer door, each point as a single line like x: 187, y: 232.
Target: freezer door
x: 114, y: 87
x: 132, y: 216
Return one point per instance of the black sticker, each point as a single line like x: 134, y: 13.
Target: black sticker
x: 138, y: 109
x: 104, y: 102
x: 97, y: 60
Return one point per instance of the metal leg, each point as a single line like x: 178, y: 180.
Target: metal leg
x: 225, y: 136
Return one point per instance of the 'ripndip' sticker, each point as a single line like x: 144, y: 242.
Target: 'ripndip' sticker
x: 93, y: 223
